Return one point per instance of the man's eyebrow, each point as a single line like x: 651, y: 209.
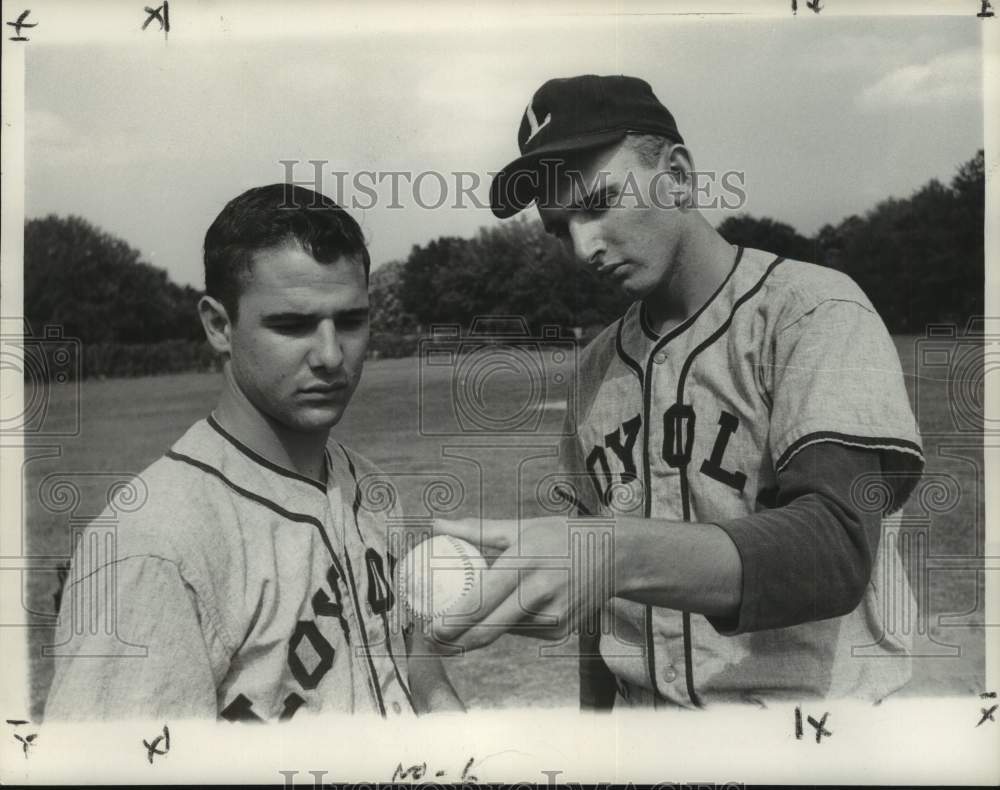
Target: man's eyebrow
x: 599, y: 192
x: 602, y: 193
x: 295, y: 315
x: 287, y: 315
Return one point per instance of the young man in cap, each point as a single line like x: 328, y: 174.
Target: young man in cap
x: 252, y: 583
x: 733, y: 424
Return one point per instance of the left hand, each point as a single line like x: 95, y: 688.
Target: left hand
x: 532, y: 587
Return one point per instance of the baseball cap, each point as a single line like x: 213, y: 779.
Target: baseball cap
x: 576, y: 114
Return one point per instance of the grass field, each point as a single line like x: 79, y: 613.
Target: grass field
x: 397, y: 419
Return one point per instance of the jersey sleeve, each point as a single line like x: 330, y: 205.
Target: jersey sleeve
x: 836, y: 377
x: 148, y: 651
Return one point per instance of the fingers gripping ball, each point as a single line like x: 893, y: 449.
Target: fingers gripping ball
x: 441, y: 576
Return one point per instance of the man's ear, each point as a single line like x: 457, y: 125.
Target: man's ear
x: 676, y: 159
x: 215, y: 320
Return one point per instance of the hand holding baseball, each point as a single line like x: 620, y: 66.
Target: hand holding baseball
x: 532, y: 588
x: 440, y: 577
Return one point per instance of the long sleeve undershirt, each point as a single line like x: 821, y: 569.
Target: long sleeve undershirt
x: 810, y: 557
x: 807, y: 558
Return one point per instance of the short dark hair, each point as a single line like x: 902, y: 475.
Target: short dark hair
x: 648, y: 147
x: 266, y: 217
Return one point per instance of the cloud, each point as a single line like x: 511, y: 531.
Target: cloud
x: 44, y: 127
x: 53, y: 141
x: 955, y: 76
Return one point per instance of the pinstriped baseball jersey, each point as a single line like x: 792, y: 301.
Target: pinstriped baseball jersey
x: 696, y: 424
x: 258, y: 592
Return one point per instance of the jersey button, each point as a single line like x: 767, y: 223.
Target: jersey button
x: 660, y: 358
x: 396, y: 708
x: 670, y: 674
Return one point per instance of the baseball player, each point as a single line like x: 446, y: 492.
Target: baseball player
x: 252, y: 582
x: 744, y: 423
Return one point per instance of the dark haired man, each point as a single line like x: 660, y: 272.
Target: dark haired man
x: 252, y: 576
x: 732, y: 424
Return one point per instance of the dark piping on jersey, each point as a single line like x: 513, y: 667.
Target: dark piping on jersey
x: 685, y: 486
x: 647, y: 396
x: 355, y: 508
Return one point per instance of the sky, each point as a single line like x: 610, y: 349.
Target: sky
x: 148, y: 139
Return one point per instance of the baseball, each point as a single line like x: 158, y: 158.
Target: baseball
x: 441, y: 576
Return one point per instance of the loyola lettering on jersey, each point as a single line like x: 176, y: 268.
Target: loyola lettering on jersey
x: 615, y: 460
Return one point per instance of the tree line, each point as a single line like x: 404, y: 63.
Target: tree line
x: 98, y: 289
x: 919, y: 259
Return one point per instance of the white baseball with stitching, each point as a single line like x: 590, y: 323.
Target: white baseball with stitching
x: 441, y: 576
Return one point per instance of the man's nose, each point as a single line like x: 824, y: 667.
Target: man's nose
x: 588, y: 241
x: 326, y: 352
